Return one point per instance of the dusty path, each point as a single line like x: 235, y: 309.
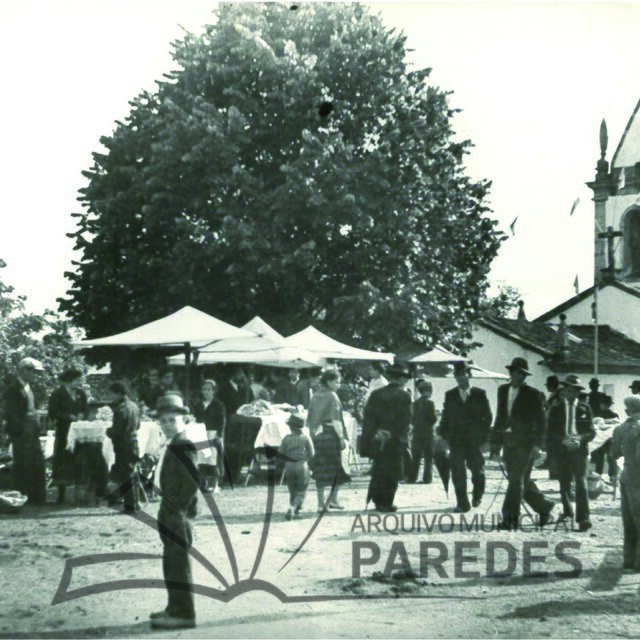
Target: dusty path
x: 601, y: 601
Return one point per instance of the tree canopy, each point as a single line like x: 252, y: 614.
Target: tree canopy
x: 292, y: 166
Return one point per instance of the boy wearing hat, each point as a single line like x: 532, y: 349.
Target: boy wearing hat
x: 23, y: 428
x: 465, y: 423
x: 180, y: 482
x: 424, y: 419
x: 297, y: 448
x: 520, y: 427
x: 626, y: 442
x: 569, y: 432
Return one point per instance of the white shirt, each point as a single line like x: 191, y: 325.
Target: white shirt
x: 571, y: 417
x: 375, y: 383
x: 464, y: 394
x: 513, y: 394
x: 31, y: 400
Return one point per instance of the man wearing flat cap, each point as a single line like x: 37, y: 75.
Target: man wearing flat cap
x: 465, y: 423
x: 23, y: 429
x: 385, y: 436
x: 569, y: 432
x: 635, y: 387
x: 519, y: 428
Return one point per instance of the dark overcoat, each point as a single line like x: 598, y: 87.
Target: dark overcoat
x: 468, y: 421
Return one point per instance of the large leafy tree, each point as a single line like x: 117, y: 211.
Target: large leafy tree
x: 291, y: 166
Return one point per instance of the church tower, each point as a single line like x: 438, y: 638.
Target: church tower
x: 616, y: 194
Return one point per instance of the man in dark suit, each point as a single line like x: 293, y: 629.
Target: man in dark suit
x: 180, y: 482
x: 385, y: 436
x: 287, y: 391
x: 23, y: 428
x: 124, y: 435
x: 308, y: 386
x: 465, y: 423
x: 520, y: 428
x: 570, y: 429
x: 235, y: 392
x: 423, y: 420
x: 595, y: 398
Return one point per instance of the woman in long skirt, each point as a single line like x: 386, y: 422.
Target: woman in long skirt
x: 67, y: 404
x: 325, y: 421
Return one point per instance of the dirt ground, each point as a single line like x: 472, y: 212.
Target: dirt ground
x: 326, y: 596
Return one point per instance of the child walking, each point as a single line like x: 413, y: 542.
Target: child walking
x: 298, y: 447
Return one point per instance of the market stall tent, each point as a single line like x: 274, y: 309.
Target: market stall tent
x: 187, y: 326
x: 261, y: 328
x: 264, y: 347
x: 437, y: 354
x: 322, y: 345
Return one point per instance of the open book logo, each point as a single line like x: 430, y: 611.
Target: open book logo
x: 228, y: 589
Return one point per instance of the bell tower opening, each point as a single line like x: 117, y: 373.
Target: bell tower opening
x: 631, y: 231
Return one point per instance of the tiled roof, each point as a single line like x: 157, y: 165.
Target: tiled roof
x: 616, y: 352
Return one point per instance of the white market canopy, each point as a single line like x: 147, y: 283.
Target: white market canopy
x: 261, y: 328
x: 437, y: 354
x: 326, y: 347
x: 440, y: 355
x: 276, y: 356
x: 187, y: 326
x: 264, y: 346
x: 478, y: 373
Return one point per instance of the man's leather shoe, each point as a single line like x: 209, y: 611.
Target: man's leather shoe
x: 158, y: 614
x: 391, y: 509
x: 459, y: 509
x: 506, y: 526
x: 585, y: 525
x: 171, y: 622
x: 476, y: 502
x: 545, y: 519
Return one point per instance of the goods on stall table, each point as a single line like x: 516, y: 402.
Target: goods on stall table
x: 604, y: 431
x: 11, y: 501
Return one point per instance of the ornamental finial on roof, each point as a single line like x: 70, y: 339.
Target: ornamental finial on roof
x: 604, y: 139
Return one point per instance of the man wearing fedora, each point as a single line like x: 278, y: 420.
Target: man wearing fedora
x: 570, y: 429
x: 385, y: 436
x: 180, y: 481
x: 23, y: 428
x: 465, y: 423
x: 519, y: 428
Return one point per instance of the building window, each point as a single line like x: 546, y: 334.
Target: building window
x: 632, y: 243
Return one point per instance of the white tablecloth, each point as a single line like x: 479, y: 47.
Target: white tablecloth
x: 274, y: 428
x: 150, y: 438
x: 604, y: 431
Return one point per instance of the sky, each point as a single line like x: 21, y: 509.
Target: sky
x: 533, y: 82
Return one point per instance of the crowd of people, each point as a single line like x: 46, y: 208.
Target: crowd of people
x: 400, y: 434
